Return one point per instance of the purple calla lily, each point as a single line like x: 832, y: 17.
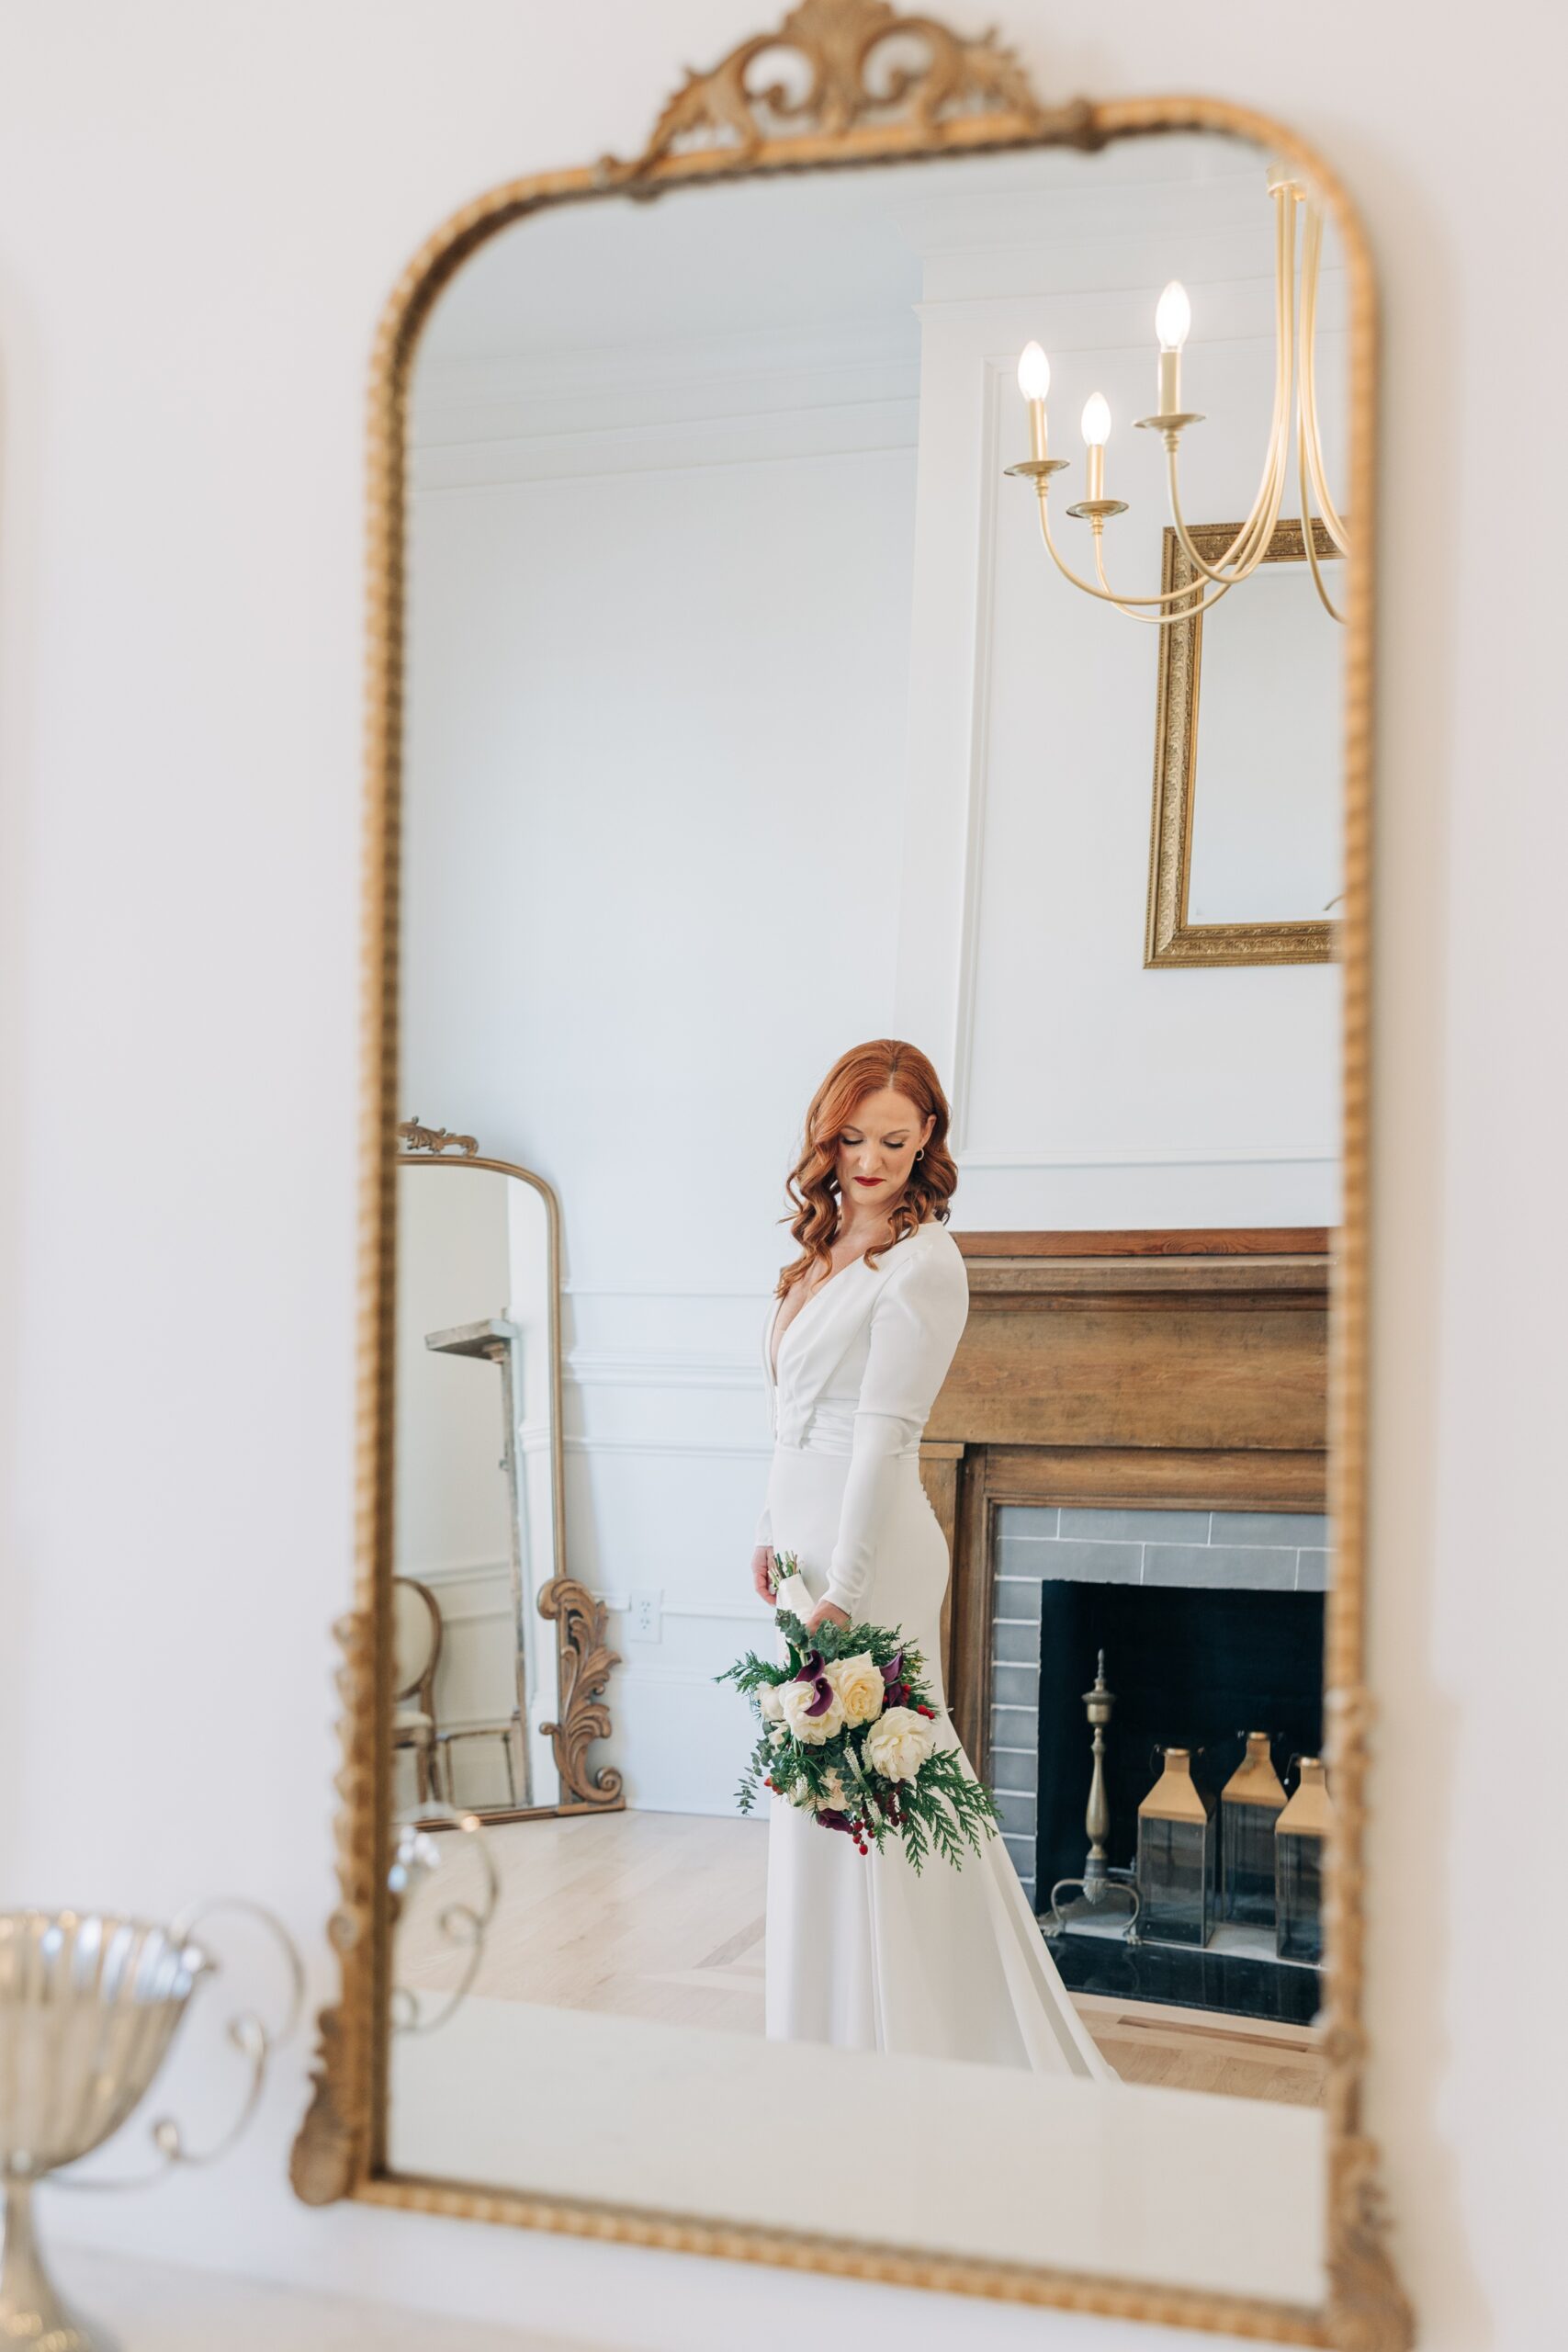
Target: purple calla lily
x: 811, y: 1667
x: 824, y: 1698
x: 894, y: 1672
x: 830, y: 1820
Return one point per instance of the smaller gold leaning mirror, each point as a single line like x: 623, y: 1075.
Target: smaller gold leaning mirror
x: 1244, y: 863
x: 499, y: 1662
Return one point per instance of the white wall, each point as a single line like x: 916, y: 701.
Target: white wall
x: 659, y: 673
x: 199, y: 212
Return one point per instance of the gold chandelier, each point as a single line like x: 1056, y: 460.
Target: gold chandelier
x: 1295, y: 389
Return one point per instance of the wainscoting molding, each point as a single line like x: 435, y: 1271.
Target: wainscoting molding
x: 711, y: 1448
x: 969, y: 773
x: 743, y: 1612
x: 1239, y: 1155
x: 661, y: 1372
x: 491, y: 1597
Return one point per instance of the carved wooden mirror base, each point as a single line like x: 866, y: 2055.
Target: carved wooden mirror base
x: 841, y: 82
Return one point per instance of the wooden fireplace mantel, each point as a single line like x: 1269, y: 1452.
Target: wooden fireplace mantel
x: 1163, y: 1369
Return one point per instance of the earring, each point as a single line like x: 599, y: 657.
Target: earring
x: 921, y: 1153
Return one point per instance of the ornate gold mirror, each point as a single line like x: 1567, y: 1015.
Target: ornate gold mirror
x: 770, y: 619
x: 500, y: 1663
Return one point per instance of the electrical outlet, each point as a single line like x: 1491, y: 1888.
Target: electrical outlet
x: 643, y: 1615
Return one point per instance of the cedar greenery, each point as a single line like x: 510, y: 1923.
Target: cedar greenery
x: 944, y: 1810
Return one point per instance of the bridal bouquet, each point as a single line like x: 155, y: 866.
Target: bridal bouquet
x: 849, y: 1734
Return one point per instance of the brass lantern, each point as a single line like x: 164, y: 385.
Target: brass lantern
x: 1250, y: 1804
x: 1300, y: 1834
x: 1176, y: 1855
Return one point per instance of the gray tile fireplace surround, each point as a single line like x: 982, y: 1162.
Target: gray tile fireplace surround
x: 1259, y: 1550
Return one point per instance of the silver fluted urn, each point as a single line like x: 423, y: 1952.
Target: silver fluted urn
x: 88, y: 2008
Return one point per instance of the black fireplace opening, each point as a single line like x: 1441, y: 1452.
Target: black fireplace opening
x: 1190, y: 1668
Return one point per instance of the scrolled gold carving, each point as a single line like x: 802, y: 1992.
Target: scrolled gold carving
x: 845, y: 85
x: 584, y: 1662
x: 330, y: 2152
x: 415, y: 1137
x: 325, y: 2162
x: 1368, y: 2310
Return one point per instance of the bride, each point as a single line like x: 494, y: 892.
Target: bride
x: 860, y: 1951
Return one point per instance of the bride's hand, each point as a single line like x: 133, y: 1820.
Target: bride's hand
x: 762, y: 1573
x: 825, y: 1613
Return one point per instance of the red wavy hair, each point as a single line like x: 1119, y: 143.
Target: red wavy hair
x: 813, y: 1186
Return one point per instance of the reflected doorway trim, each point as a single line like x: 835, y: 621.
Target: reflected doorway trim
x: 1170, y: 937
x: 965, y: 97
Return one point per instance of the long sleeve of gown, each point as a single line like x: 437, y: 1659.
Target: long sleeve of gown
x: 916, y: 1325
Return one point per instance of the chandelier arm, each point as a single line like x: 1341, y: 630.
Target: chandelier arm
x: 1312, y: 249
x: 1309, y: 534
x: 1106, y: 597
x: 1186, y: 598
x: 1246, y: 551
x: 1252, y: 541
x: 1157, y: 620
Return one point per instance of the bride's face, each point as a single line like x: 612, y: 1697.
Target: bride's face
x: 877, y: 1147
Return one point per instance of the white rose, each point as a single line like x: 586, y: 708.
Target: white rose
x: 860, y: 1689
x: 898, y: 1743
x: 797, y: 1698
x: 771, y: 1703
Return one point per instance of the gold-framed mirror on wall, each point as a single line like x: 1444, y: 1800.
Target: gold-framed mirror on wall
x: 738, y: 690
x: 1246, y: 860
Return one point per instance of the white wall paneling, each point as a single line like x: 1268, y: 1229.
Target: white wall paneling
x: 1086, y: 1090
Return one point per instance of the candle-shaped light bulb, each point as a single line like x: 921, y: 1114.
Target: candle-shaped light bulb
x: 1033, y: 372
x: 1096, y: 433
x: 1034, y: 382
x: 1173, y: 317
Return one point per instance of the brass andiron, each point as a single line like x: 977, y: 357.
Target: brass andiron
x: 1101, y: 1876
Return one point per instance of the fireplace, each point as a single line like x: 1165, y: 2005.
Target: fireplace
x: 1129, y: 1453
x: 1210, y: 1625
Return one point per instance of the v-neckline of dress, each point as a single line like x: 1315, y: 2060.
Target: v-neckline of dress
x: 812, y: 1296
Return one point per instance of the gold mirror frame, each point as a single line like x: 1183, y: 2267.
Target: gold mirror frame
x: 966, y: 98
x: 1171, y: 937
x: 583, y: 1659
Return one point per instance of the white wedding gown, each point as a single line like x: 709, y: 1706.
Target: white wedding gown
x: 860, y: 1951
